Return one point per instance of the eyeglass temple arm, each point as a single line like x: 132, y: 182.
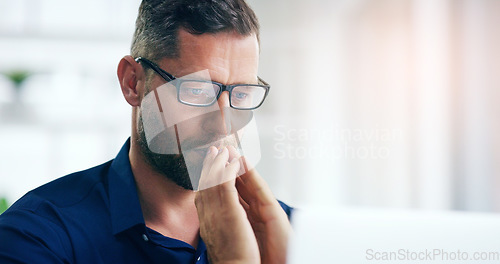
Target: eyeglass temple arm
x: 155, y: 68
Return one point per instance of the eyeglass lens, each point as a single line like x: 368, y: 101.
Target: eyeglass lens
x: 205, y: 93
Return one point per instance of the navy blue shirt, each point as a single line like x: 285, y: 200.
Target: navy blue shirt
x: 93, y: 216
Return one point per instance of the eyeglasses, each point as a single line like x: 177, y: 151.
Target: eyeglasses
x: 205, y: 93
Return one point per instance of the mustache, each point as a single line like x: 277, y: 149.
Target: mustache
x: 213, y: 140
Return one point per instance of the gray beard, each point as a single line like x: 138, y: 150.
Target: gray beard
x: 172, y: 166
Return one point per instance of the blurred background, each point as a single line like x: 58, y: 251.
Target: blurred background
x: 374, y: 103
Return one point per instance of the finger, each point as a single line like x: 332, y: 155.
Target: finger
x: 253, y: 189
x: 244, y: 165
x: 220, y: 173
x: 245, y: 194
x: 207, y: 166
x: 213, y: 167
x: 247, y: 208
x: 202, y: 198
x: 220, y: 160
x: 233, y: 152
x: 218, y: 167
x: 231, y: 170
x: 210, y: 156
x: 244, y: 204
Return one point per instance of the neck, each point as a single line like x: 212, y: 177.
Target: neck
x: 167, y: 208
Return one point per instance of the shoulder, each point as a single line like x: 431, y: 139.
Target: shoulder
x: 67, y: 190
x: 52, y: 202
x: 40, y: 220
x: 61, y: 199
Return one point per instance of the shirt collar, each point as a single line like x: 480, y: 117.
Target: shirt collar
x: 125, y: 208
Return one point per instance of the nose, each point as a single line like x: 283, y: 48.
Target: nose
x: 223, y: 100
x: 221, y: 121
x: 225, y: 112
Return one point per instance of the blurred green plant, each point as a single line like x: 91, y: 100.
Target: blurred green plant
x: 17, y: 77
x: 3, y: 205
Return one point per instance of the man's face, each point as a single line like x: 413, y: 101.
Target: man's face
x: 228, y: 58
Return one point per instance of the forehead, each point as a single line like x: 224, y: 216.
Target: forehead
x: 228, y: 56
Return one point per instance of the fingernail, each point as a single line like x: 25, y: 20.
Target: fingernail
x: 222, y: 149
x: 209, y: 150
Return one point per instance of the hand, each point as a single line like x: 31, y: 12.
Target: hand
x: 224, y: 226
x: 240, y: 220
x: 268, y: 220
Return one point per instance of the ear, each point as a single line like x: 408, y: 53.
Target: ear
x: 131, y: 77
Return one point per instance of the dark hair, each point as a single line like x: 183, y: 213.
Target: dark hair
x: 159, y: 21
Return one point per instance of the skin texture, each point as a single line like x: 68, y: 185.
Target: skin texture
x: 241, y: 214
x: 239, y: 220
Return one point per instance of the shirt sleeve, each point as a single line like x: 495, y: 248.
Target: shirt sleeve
x: 288, y: 210
x: 26, y: 237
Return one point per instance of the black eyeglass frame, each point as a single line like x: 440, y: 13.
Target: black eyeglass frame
x: 229, y: 88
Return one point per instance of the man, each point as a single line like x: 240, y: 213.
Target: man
x: 140, y: 207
